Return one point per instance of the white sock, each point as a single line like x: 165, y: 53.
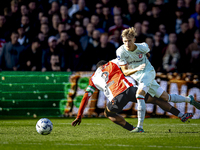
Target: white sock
x: 178, y: 98
x: 180, y: 114
x: 141, y: 110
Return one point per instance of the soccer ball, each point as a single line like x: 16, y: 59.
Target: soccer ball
x: 44, y: 126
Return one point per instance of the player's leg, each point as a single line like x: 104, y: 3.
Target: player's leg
x: 117, y: 119
x: 157, y: 91
x: 167, y: 107
x: 175, y: 98
x: 115, y: 106
x: 144, y: 85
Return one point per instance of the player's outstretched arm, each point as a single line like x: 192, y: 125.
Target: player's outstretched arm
x: 128, y: 72
x: 84, y: 102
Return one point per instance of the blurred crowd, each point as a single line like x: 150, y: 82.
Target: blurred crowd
x: 73, y: 35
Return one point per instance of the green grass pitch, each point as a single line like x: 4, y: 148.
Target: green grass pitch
x: 99, y: 134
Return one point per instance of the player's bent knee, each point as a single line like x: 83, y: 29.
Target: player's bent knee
x: 142, y: 89
x: 109, y: 113
x: 164, y: 96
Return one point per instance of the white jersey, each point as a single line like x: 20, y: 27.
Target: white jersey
x: 135, y: 58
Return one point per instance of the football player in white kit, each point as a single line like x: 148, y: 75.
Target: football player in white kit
x: 130, y: 55
x: 109, y: 78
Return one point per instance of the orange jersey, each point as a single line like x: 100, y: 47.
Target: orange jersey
x: 109, y: 79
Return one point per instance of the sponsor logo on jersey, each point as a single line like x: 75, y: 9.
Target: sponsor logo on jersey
x: 135, y: 61
x: 140, y: 55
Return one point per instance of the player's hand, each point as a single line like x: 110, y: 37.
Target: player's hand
x: 76, y: 121
x: 141, y: 67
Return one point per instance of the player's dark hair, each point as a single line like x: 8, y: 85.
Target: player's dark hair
x: 101, y: 63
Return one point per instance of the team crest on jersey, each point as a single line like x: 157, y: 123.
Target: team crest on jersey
x: 140, y: 55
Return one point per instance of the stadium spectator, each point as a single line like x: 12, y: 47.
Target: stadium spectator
x: 156, y: 52
x: 75, y: 59
x: 85, y: 22
x: 43, y: 42
x: 140, y: 37
x: 55, y: 63
x: 175, y: 25
x: 53, y: 49
x: 116, y: 39
x: 54, y: 8
x: 23, y: 39
x: 44, y: 28
x: 30, y: 59
x: 13, y: 17
x: 105, y: 50
x: 171, y: 58
x: 99, y: 10
x: 155, y: 19
x: 89, y: 29
x: 61, y: 27
x: 96, y: 22
x: 149, y: 40
x: 63, y: 43
x: 28, y: 28
x: 24, y: 10
x: 63, y: 40
x: 107, y: 20
x: 9, y: 55
x: 4, y: 30
x: 131, y: 15
x: 145, y: 28
x: 95, y: 38
x: 193, y: 54
x: 118, y: 21
x: 87, y: 39
x: 79, y: 32
x: 141, y: 13
x: 191, y: 25
x: 189, y: 8
x: 162, y: 29
x: 73, y: 8
x: 82, y: 9
x: 196, y: 15
x: 44, y: 19
x: 184, y: 38
x: 33, y: 11
x: 55, y: 21
x: 172, y: 40
x: 64, y: 14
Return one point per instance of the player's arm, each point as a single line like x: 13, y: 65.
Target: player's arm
x: 89, y: 91
x: 128, y: 72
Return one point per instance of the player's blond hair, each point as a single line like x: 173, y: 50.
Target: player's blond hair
x: 129, y: 33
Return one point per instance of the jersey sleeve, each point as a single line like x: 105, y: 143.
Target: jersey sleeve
x: 144, y: 47
x: 88, y: 93
x: 120, y: 57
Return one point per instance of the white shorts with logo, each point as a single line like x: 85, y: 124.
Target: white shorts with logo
x: 148, y: 83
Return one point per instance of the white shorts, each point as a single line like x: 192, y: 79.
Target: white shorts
x: 148, y: 83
